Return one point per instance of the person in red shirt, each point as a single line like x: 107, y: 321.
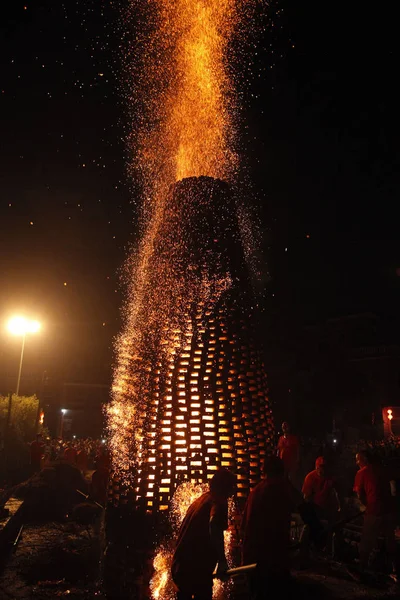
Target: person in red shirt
x: 200, y: 544
x: 372, y: 485
x: 266, y: 529
x: 319, y: 489
x: 36, y: 451
x: 289, y: 450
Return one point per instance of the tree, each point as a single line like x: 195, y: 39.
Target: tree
x: 22, y: 421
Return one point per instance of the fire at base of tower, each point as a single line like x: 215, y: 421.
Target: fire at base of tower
x: 190, y: 391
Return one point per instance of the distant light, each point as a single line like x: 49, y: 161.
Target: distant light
x: 65, y: 283
x: 103, y: 441
x: 63, y: 410
x: 22, y: 326
x: 335, y: 441
x: 74, y: 436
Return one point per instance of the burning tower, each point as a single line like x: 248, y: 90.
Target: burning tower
x: 200, y: 397
x: 190, y: 392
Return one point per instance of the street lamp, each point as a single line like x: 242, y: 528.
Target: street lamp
x: 63, y: 411
x: 21, y: 326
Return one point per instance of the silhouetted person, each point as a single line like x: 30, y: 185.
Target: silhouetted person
x: 266, y: 530
x: 289, y: 450
x: 373, y: 488
x: 200, y: 544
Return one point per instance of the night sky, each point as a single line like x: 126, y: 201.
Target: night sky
x: 320, y: 141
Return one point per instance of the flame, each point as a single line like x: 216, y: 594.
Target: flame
x: 161, y: 584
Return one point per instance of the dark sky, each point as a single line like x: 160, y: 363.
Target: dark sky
x: 321, y: 143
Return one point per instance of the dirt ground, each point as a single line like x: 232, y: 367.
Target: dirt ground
x: 53, y: 560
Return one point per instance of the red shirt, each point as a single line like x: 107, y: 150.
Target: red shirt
x: 320, y: 489
x: 266, y: 526
x: 195, y: 557
x: 373, y: 481
x: 288, y: 448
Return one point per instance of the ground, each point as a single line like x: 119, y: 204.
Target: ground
x: 330, y: 580
x: 57, y: 560
x: 53, y: 560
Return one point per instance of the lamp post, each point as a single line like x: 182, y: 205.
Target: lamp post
x: 63, y: 411
x: 21, y: 326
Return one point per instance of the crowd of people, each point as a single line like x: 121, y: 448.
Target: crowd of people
x: 385, y: 449
x: 84, y: 452
x: 88, y: 455
x: 266, y: 522
x: 268, y: 513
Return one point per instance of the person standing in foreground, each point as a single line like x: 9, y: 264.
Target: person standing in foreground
x: 372, y: 485
x: 289, y: 450
x: 319, y: 490
x: 200, y: 544
x: 266, y: 530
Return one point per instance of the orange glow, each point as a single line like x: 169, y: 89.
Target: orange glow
x: 198, y: 117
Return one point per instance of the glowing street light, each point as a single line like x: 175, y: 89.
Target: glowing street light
x: 21, y: 326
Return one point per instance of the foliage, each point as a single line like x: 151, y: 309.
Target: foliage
x: 22, y: 420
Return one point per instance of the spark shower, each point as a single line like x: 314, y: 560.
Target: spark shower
x: 189, y: 391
